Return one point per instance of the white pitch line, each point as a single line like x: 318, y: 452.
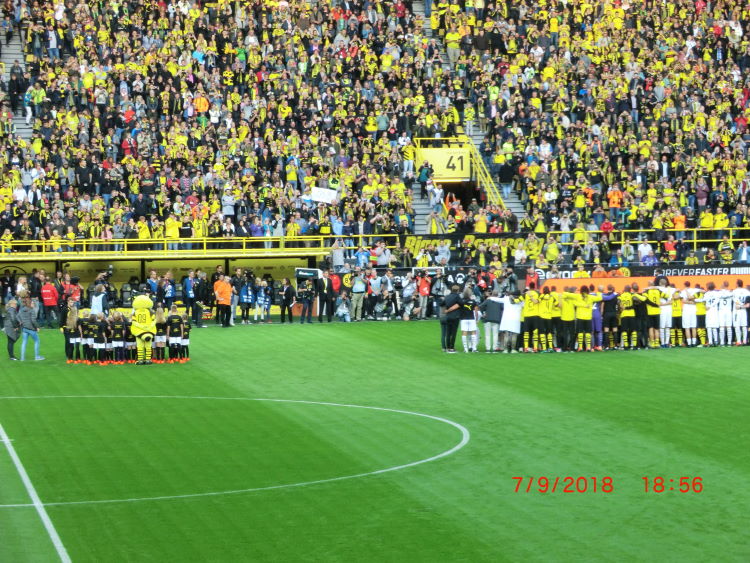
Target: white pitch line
x: 465, y: 437
x: 37, y: 502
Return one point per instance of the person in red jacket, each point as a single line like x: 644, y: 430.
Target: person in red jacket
x: 50, y: 299
x: 424, y: 284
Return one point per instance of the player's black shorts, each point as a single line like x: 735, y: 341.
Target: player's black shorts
x: 677, y: 322
x: 653, y: 320
x: 628, y: 324
x: 609, y: 320
x: 701, y: 321
x: 530, y: 324
x: 545, y: 325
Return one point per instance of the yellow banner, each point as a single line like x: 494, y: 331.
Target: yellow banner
x: 450, y: 164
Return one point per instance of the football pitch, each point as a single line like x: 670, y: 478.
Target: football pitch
x: 364, y: 442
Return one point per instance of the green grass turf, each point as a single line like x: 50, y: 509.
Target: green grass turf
x: 625, y: 415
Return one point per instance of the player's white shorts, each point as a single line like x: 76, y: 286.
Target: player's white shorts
x: 185, y: 342
x: 175, y: 340
x: 88, y: 341
x: 725, y: 318
x: 108, y: 345
x: 689, y: 318
x: 117, y: 344
x: 712, y: 318
x: 75, y: 340
x: 665, y: 317
x: 98, y: 345
x: 468, y: 325
x: 160, y: 339
x: 740, y: 317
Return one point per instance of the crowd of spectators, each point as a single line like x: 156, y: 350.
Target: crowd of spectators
x: 628, y: 112
x: 172, y: 118
x: 217, y: 119
x: 581, y: 248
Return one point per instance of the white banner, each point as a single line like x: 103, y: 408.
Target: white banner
x: 324, y: 195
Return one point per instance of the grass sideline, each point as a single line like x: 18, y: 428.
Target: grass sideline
x: 668, y: 413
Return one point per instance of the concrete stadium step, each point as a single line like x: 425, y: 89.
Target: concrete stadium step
x: 421, y: 212
x: 513, y: 203
x: 11, y: 53
x: 421, y: 209
x: 418, y: 9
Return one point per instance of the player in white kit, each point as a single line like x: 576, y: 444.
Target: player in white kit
x: 665, y: 312
x: 726, y: 300
x: 711, y: 299
x: 689, y: 318
x: 741, y: 304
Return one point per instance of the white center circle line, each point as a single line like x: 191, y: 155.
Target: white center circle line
x: 465, y: 437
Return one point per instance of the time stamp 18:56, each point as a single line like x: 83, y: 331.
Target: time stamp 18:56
x: 606, y: 485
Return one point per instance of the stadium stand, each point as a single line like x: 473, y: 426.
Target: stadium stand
x: 165, y: 121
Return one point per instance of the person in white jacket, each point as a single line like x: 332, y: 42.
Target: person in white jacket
x: 510, y: 324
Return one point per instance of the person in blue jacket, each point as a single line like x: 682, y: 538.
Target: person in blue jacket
x: 247, y: 299
x: 261, y: 294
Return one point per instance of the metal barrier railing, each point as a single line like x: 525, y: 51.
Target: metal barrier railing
x: 318, y: 245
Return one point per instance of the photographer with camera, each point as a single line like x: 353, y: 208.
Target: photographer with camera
x: 438, y: 290
x: 359, y: 293
x: 506, y: 283
x: 409, y: 295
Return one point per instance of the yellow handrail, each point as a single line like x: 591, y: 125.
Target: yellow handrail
x: 318, y: 245
x: 695, y: 237
x: 484, y: 178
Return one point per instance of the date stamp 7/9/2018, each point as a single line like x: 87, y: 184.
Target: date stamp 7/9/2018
x: 567, y: 484
x: 588, y: 484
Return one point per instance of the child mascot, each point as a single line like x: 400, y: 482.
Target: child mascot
x: 143, y: 327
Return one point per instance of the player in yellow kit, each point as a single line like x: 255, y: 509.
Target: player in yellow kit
x: 567, y: 335
x: 653, y: 296
x: 698, y: 297
x: 677, y: 333
x: 531, y: 320
x: 556, y: 313
x: 584, y: 304
x: 628, y: 325
x: 547, y: 306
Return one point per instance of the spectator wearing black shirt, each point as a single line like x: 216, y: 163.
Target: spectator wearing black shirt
x: 453, y: 304
x: 237, y: 281
x: 326, y: 297
x: 287, y: 297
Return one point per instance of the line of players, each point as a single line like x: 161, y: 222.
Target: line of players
x: 107, y: 340
x: 661, y: 316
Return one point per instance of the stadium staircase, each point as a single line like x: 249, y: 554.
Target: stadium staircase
x: 421, y: 210
x: 513, y: 202
x: 11, y: 53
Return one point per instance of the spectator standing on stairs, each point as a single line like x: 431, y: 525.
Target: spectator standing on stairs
x: 453, y: 45
x: 469, y: 117
x: 423, y: 177
x: 436, y: 194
